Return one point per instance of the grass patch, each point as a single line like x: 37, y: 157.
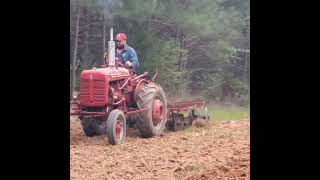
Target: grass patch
x: 227, y: 112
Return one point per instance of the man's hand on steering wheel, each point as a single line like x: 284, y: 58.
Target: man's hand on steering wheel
x: 128, y: 64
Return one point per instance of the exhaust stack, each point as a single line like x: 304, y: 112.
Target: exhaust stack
x: 111, y: 49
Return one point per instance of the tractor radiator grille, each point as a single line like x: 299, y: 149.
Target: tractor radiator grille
x: 84, y: 90
x: 99, y: 90
x: 92, y: 90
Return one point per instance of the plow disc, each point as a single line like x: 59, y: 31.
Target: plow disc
x: 177, y: 120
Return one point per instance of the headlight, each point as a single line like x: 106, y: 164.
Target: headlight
x: 75, y: 94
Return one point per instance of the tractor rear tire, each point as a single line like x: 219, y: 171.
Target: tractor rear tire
x: 94, y: 126
x: 116, y: 127
x: 147, y: 125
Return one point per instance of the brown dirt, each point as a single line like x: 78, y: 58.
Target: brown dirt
x: 221, y: 150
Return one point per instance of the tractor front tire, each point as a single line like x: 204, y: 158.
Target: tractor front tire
x: 152, y: 122
x: 94, y: 126
x: 116, y: 128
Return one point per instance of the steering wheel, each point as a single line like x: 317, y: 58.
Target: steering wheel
x: 117, y: 62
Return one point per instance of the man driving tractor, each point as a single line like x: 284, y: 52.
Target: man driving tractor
x: 124, y: 53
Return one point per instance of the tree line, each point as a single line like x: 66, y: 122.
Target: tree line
x: 200, y: 47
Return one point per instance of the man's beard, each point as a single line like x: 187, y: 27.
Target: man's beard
x: 119, y: 47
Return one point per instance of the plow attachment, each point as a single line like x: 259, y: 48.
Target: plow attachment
x: 183, y: 114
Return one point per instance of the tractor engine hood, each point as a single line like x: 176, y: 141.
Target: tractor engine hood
x: 111, y: 72
x: 94, y: 84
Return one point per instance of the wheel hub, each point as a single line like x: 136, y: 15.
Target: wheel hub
x: 118, y: 128
x: 157, y: 112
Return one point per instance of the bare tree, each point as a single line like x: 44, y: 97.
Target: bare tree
x: 75, y: 60
x: 103, y: 35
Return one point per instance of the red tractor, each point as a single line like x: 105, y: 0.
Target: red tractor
x: 109, y: 95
